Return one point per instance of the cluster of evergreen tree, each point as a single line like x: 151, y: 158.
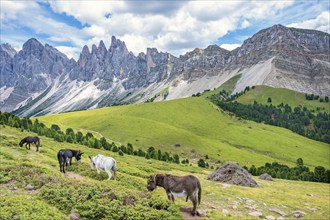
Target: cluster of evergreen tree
x: 225, y: 96
x: 299, y: 172
x: 299, y: 120
x: 88, y: 140
x: 316, y: 97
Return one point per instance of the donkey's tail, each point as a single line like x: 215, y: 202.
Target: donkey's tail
x: 199, y: 192
x: 60, y: 157
x: 114, y: 168
x: 38, y: 142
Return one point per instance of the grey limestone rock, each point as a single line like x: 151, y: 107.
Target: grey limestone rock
x: 234, y: 174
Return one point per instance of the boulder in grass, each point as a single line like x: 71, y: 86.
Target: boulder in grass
x: 29, y: 187
x: 74, y: 216
x: 298, y: 214
x: 255, y: 214
x: 234, y: 174
x: 266, y: 176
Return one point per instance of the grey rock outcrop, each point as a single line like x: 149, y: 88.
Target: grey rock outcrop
x: 234, y: 174
x: 29, y: 187
x: 278, y: 211
x: 266, y: 176
x: 298, y: 214
x: 256, y: 214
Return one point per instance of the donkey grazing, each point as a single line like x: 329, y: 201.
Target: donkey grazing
x: 104, y: 163
x: 179, y: 186
x: 30, y: 140
x: 65, y: 156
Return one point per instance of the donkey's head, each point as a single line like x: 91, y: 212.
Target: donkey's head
x: 151, y: 183
x: 21, y: 143
x: 78, y: 156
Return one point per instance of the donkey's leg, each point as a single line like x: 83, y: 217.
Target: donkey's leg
x: 70, y: 161
x: 109, y: 173
x: 98, y: 171
x: 194, y: 201
x: 114, y: 174
x: 62, y: 167
x: 169, y: 195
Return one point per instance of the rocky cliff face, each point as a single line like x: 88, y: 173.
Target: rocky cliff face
x: 40, y: 80
x: 29, y: 72
x: 6, y: 63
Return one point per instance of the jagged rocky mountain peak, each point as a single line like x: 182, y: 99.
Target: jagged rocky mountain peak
x: 152, y: 51
x: 102, y: 48
x: 215, y: 50
x: 117, y: 44
x: 8, y: 49
x: 32, y: 47
x: 85, y: 50
x: 32, y: 43
x: 277, y: 56
x: 94, y: 48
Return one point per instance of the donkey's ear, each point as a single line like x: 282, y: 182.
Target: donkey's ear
x: 81, y: 153
x: 89, y: 157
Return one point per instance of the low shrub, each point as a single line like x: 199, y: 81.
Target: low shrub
x: 27, y: 207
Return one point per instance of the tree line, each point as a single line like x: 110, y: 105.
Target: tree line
x: 316, y: 97
x: 298, y: 119
x: 88, y: 139
x: 299, y: 172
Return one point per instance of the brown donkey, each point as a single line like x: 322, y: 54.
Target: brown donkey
x: 179, y: 186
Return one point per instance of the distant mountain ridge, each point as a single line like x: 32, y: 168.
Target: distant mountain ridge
x: 40, y: 80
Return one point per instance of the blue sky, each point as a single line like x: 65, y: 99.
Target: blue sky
x: 172, y: 26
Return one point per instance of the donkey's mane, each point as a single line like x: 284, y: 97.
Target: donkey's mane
x: 74, y: 152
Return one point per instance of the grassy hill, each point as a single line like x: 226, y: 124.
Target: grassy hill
x: 200, y: 128
x: 228, y: 86
x: 93, y: 197
x: 278, y: 95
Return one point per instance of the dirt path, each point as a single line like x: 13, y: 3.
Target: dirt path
x: 75, y: 176
x: 188, y: 216
x: 186, y: 213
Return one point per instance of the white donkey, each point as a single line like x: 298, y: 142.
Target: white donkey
x: 104, y: 163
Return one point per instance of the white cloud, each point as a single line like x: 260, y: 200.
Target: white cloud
x: 10, y: 9
x: 70, y: 52
x: 172, y: 26
x: 229, y: 46
x: 321, y: 23
x: 245, y: 24
x: 168, y: 26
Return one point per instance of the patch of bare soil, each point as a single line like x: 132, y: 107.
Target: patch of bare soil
x: 186, y: 213
x: 75, y: 176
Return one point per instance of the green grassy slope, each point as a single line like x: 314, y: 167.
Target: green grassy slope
x: 278, y: 95
x: 197, y: 124
x: 90, y: 194
x: 228, y: 86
